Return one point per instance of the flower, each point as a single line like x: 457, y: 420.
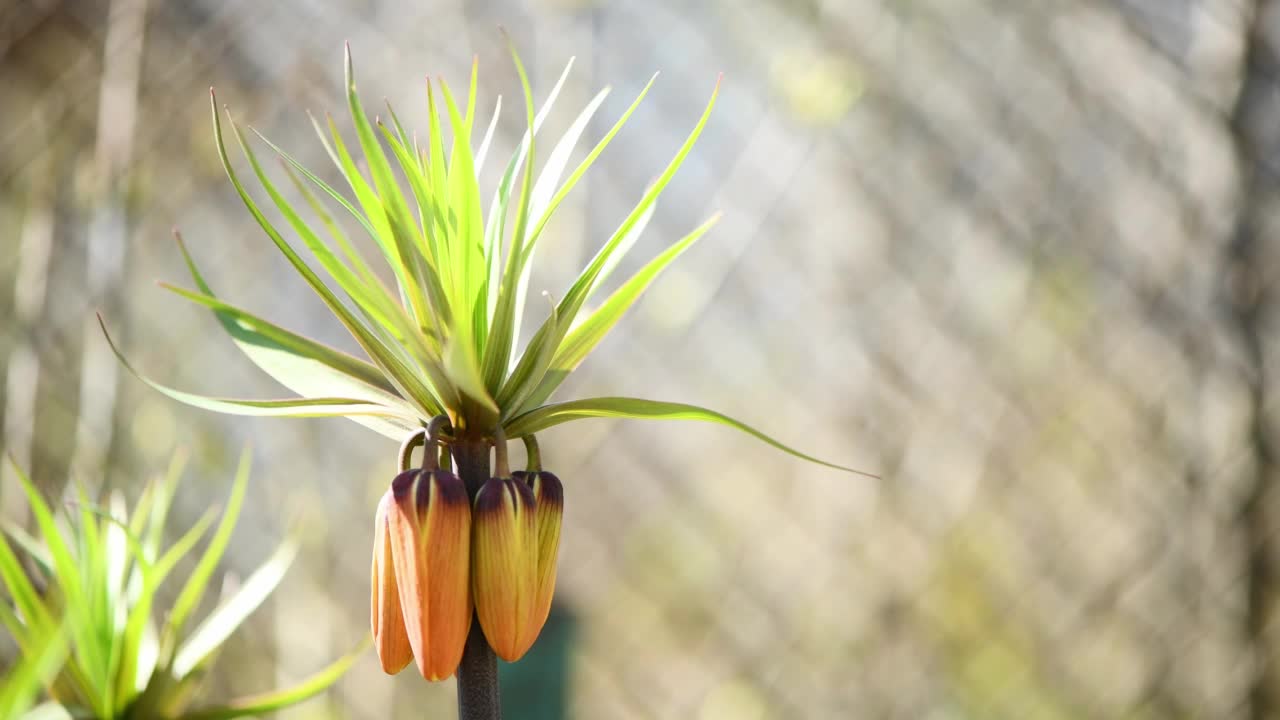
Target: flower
x: 548, y: 496
x: 443, y: 341
x: 505, y: 566
x: 421, y: 595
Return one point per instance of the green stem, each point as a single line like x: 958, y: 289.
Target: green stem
x: 534, y: 463
x: 478, y: 673
x: 418, y: 437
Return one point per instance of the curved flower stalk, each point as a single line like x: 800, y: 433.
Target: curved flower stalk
x: 442, y: 341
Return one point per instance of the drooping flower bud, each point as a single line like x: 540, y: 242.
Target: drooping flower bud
x: 429, y: 528
x: 548, y: 495
x: 389, y: 636
x: 504, y: 565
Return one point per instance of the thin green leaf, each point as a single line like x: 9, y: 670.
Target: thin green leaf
x: 622, y: 407
x: 405, y: 378
x: 359, y: 284
x: 83, y: 634
x: 533, y: 365
x: 328, y: 189
x: 590, y: 277
x: 395, y: 122
x: 376, y: 216
x: 17, y: 630
x: 545, y: 189
x: 277, y: 699
x: 198, y: 581
x: 37, y: 665
x: 32, y: 547
x: 298, y: 407
x: 165, y: 489
x: 354, y: 258
x: 438, y: 178
x: 501, y: 338
x: 568, y: 308
x: 483, y: 152
x: 403, y: 230
x: 232, y: 612
x: 496, y: 227
x: 135, y: 665
x: 25, y: 598
x: 464, y: 200
x: 549, y: 208
x: 464, y: 371
x: 583, y: 339
x: 428, y: 207
x: 137, y: 526
x: 628, y: 242
x: 299, y: 363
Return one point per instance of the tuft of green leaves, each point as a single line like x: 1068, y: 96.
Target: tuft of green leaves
x: 444, y: 338
x: 85, y: 618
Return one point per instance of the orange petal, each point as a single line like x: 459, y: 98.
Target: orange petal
x: 548, y: 496
x: 389, y: 635
x: 430, y: 529
x: 446, y: 545
x: 504, y: 564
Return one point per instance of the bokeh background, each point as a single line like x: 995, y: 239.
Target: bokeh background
x: 1017, y: 257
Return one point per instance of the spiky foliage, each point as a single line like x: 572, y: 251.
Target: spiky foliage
x: 87, y: 620
x: 444, y: 339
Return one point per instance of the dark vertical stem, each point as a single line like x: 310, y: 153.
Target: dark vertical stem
x: 478, y: 674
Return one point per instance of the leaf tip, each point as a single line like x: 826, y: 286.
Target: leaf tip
x: 348, y: 67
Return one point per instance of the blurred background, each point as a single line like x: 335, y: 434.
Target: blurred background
x: 1018, y: 258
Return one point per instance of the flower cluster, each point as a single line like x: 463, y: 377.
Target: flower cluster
x: 439, y: 558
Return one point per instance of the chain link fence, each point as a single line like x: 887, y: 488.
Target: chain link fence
x: 1016, y: 257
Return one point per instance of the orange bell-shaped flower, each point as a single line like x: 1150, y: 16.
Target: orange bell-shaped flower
x: 427, y: 520
x: 389, y: 636
x: 504, y: 565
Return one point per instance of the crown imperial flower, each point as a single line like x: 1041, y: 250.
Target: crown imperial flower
x: 505, y: 566
x: 441, y: 346
x: 421, y: 595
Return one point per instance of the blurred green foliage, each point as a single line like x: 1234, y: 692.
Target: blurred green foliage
x: 84, y: 619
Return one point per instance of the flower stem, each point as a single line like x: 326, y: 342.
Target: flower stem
x: 534, y: 463
x: 417, y: 439
x: 478, y: 674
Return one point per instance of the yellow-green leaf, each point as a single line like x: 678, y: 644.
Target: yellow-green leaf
x: 623, y: 407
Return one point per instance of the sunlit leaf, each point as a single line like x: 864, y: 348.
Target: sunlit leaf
x: 403, y: 231
x: 501, y: 333
x: 218, y: 626
x: 404, y: 377
x: 198, y: 580
x: 39, y: 661
x: 297, y: 407
x: 133, y: 666
x: 567, y: 310
x: 583, y: 339
x: 277, y: 699
x: 541, y: 197
x: 622, y: 407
